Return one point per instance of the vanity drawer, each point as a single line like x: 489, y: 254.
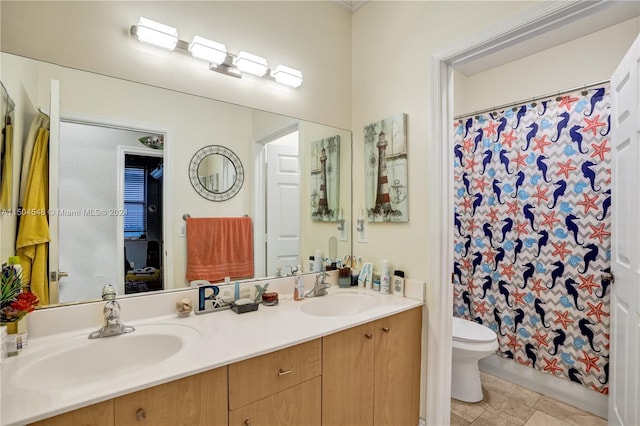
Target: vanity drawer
x: 299, y: 405
x: 259, y: 377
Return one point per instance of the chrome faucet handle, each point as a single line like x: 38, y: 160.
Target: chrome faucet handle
x: 108, y: 292
x: 111, y: 311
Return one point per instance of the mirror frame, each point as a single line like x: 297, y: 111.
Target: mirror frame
x: 194, y: 164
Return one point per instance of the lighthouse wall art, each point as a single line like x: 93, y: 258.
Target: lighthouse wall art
x: 325, y: 179
x: 386, y: 178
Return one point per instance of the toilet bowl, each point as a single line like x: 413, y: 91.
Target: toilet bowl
x: 471, y: 343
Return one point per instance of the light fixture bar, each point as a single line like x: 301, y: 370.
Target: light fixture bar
x: 288, y: 76
x: 215, y: 53
x: 153, y: 32
x: 208, y: 50
x: 251, y: 64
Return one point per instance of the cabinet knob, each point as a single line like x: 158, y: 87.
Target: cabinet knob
x: 247, y: 422
x: 141, y: 414
x: 386, y: 329
x: 369, y: 336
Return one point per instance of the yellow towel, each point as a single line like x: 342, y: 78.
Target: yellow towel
x: 7, y: 169
x: 33, y: 232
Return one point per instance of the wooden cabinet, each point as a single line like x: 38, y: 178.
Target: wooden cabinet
x: 365, y: 375
x: 296, y: 406
x: 100, y: 414
x: 347, y: 379
x: 371, y: 373
x: 397, y: 369
x: 259, y: 377
x: 200, y: 399
x: 280, y: 388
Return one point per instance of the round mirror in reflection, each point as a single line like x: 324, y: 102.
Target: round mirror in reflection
x: 216, y: 173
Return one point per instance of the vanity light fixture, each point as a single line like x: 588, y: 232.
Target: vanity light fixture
x: 211, y: 51
x: 153, y: 32
x: 251, y: 64
x: 215, y: 53
x: 288, y: 76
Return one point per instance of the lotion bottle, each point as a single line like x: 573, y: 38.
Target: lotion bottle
x: 385, y: 278
x: 398, y: 283
x: 298, y: 290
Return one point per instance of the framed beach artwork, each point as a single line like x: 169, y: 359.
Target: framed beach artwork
x: 325, y: 179
x: 386, y: 178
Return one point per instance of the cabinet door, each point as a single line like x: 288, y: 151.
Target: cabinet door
x: 347, y: 377
x: 200, y: 399
x: 397, y: 369
x: 296, y: 406
x: 100, y: 414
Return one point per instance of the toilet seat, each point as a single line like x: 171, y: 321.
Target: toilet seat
x: 470, y: 331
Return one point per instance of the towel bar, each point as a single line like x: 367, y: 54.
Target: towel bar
x: 187, y: 215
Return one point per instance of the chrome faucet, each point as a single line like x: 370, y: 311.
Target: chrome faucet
x: 112, y: 325
x: 320, y: 287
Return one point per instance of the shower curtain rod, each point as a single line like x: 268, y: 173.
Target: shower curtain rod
x: 534, y: 99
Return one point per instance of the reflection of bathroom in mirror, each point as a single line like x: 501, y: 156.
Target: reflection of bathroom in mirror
x: 325, y: 179
x: 116, y: 209
x: 216, y: 173
x: 187, y: 123
x: 7, y: 112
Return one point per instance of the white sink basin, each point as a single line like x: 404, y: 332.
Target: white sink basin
x: 79, y: 360
x: 339, y: 304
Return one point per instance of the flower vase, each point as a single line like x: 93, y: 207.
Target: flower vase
x: 17, y: 336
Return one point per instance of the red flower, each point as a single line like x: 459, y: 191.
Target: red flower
x: 25, y: 302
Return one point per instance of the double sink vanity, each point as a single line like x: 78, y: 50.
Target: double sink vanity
x: 351, y: 357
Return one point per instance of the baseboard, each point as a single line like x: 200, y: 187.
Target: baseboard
x: 554, y: 387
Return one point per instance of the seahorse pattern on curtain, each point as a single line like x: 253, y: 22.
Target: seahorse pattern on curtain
x: 533, y: 232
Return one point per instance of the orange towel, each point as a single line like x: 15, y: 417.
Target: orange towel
x: 218, y: 248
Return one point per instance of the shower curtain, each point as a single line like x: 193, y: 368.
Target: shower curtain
x: 533, y: 231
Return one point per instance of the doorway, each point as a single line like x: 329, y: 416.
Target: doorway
x: 277, y: 246
x: 508, y: 37
x: 141, y: 197
x: 90, y: 209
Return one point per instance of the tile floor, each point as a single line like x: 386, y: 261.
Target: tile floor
x: 507, y: 404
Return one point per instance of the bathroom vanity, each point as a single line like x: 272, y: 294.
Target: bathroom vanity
x: 310, y: 362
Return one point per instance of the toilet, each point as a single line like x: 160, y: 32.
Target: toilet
x: 471, y: 343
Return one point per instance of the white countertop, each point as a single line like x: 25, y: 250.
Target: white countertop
x: 225, y: 338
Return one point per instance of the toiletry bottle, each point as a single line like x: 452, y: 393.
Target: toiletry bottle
x: 398, y: 283
x: 344, y: 277
x: 317, y: 261
x: 354, y: 277
x: 385, y: 278
x: 376, y: 281
x: 298, y: 290
x: 14, y: 263
x: 311, y: 263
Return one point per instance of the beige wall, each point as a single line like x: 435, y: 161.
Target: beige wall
x: 392, y: 46
x: 586, y: 60
x: 314, y: 37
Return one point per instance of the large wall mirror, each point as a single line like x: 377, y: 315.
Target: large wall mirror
x: 104, y: 122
